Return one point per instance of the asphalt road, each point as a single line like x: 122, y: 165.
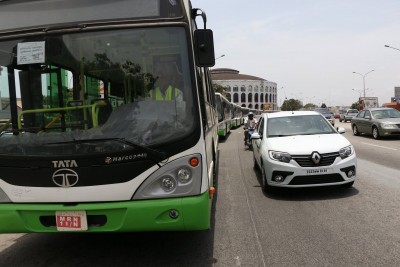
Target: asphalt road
x: 309, y: 227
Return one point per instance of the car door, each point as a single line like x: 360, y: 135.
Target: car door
x: 359, y: 121
x: 367, y: 122
x: 257, y: 143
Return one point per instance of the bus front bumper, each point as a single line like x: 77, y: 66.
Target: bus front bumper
x: 188, y: 213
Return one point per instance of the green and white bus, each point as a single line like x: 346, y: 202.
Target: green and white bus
x: 82, y: 145
x: 236, y: 115
x: 224, y: 111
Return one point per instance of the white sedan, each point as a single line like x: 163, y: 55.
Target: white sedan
x: 302, y: 149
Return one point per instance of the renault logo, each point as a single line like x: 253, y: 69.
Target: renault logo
x: 65, y: 178
x: 316, y: 158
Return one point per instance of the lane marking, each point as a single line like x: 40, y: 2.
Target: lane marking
x: 380, y: 146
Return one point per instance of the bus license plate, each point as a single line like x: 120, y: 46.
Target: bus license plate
x: 71, y: 220
x: 318, y: 171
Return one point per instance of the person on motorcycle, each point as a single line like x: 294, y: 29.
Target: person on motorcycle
x: 249, y: 124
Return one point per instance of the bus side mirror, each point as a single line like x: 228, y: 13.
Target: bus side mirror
x: 204, y: 48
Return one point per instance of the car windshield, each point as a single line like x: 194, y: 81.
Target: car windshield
x: 384, y: 114
x: 298, y: 125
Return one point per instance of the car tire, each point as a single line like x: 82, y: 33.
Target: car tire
x: 265, y: 186
x: 348, y: 185
x: 355, y: 130
x: 375, y: 133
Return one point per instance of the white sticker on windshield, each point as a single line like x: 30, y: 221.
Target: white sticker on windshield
x: 30, y: 53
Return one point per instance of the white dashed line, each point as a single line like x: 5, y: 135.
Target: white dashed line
x: 390, y: 148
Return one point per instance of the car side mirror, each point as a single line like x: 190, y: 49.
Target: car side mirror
x: 255, y: 136
x: 341, y: 130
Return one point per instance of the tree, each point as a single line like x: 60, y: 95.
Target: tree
x: 291, y: 104
x: 310, y: 106
x: 323, y: 105
x: 219, y: 89
x: 355, y: 105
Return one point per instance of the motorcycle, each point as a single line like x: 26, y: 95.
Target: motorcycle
x: 247, y: 141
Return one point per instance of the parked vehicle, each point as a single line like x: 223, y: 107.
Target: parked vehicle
x: 379, y: 122
x: 302, y: 149
x: 350, y: 113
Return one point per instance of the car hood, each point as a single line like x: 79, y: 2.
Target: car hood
x: 305, y: 144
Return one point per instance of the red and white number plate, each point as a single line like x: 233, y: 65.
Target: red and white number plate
x: 71, y: 220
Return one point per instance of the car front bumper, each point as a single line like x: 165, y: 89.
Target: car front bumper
x: 296, y: 176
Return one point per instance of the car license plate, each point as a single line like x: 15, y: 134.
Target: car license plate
x: 71, y: 220
x: 318, y: 171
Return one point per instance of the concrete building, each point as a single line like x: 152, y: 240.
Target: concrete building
x: 246, y: 90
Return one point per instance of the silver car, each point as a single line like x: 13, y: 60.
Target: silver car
x: 348, y: 115
x: 379, y: 122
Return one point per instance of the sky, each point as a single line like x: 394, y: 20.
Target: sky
x: 310, y: 47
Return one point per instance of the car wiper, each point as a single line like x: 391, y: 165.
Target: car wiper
x: 155, y: 155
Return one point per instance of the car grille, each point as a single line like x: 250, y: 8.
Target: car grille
x: 326, y: 159
x: 317, y: 179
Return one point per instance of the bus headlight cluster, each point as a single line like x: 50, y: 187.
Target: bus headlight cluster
x: 181, y: 177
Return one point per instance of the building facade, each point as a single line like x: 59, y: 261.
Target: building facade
x: 246, y: 90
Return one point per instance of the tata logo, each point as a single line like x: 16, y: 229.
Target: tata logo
x: 316, y: 158
x: 64, y: 163
x: 65, y: 178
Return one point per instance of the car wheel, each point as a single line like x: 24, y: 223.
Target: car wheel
x: 348, y: 185
x: 375, y: 132
x: 265, y: 186
x: 355, y: 130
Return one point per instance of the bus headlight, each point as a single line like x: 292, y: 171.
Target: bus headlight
x: 168, y: 183
x: 181, y: 177
x: 184, y: 175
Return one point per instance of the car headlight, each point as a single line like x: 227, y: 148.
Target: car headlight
x: 388, y: 125
x: 280, y: 156
x: 181, y: 177
x: 346, y: 152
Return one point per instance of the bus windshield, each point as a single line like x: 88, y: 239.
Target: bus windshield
x: 130, y: 84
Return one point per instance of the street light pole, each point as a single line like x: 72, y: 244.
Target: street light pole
x: 363, y: 75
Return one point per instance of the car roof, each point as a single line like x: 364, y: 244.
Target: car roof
x: 290, y: 114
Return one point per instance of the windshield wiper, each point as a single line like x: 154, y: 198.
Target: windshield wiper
x: 155, y: 155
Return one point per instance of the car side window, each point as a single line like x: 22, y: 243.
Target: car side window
x: 361, y: 115
x: 367, y: 113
